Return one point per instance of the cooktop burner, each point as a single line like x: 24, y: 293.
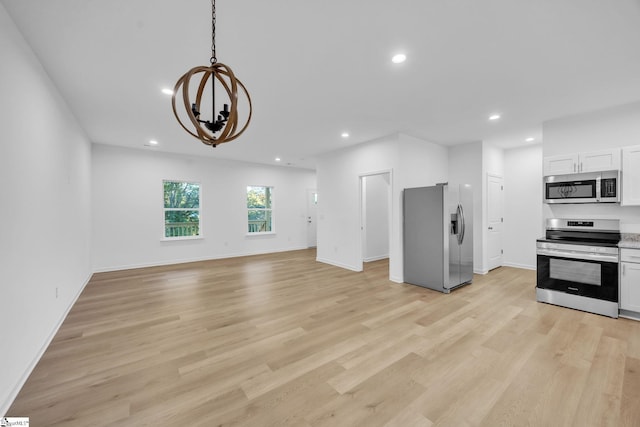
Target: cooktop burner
x: 595, y: 232
x: 577, y: 265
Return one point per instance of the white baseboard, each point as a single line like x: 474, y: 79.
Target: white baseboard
x: 629, y: 314
x: 507, y: 264
x: 376, y: 258
x: 396, y: 279
x: 338, y: 264
x: 523, y: 266
x: 195, y: 259
x: 4, y: 406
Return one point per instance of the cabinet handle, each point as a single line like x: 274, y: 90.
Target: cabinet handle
x: 580, y: 166
x: 574, y: 167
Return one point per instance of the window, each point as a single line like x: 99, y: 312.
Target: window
x: 260, y: 209
x: 181, y: 209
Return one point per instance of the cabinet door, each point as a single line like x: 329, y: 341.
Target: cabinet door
x: 630, y: 176
x: 630, y: 287
x: 597, y: 161
x: 560, y: 165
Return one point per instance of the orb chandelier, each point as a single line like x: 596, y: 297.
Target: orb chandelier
x: 225, y: 126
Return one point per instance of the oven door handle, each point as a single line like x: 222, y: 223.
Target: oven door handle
x: 578, y: 255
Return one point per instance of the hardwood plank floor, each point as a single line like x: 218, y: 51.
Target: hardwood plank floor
x: 282, y: 340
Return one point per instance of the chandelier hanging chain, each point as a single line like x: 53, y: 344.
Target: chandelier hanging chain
x: 224, y: 125
x: 213, y: 32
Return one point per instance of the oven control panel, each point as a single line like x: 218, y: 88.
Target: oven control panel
x: 585, y: 224
x: 579, y: 223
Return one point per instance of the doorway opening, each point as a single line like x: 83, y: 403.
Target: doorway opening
x: 375, y: 216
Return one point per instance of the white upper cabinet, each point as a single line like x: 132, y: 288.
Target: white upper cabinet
x: 597, y: 161
x: 631, y: 176
x: 593, y: 161
x: 560, y: 165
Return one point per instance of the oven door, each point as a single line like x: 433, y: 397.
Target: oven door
x: 588, y: 275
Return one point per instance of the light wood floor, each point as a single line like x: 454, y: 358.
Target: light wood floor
x: 281, y: 340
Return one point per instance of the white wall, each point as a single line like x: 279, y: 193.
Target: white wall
x: 376, y: 205
x: 338, y: 174
x: 492, y: 164
x: 610, y: 128
x: 128, y: 218
x: 44, y: 209
x: 421, y: 163
x: 412, y: 163
x: 465, y: 167
x: 471, y: 164
x: 521, y: 170
x: 523, y: 222
x: 597, y: 130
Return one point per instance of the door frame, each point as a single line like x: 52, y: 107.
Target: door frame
x: 486, y: 230
x: 308, y: 193
x: 362, y: 212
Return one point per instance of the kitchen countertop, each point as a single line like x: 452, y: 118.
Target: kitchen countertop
x: 629, y: 240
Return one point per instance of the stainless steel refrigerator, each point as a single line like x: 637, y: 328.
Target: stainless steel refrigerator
x: 438, y: 236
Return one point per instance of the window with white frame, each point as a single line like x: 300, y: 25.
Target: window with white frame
x: 260, y: 209
x: 181, y: 209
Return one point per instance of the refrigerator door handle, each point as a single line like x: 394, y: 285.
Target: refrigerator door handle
x: 462, y: 226
x: 458, y: 223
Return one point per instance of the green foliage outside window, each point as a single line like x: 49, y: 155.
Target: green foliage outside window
x: 259, y: 209
x: 181, y: 209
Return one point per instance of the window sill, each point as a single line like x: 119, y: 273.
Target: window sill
x: 179, y: 239
x: 264, y: 233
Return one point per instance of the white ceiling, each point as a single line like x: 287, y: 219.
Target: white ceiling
x: 317, y: 68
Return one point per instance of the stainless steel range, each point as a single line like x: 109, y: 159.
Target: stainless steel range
x: 578, y: 265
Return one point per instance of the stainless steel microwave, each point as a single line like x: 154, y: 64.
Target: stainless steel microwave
x: 591, y: 187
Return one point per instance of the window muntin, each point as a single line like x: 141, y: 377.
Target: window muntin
x: 181, y: 209
x: 259, y: 209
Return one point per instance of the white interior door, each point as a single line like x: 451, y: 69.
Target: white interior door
x: 312, y: 228
x: 494, y: 220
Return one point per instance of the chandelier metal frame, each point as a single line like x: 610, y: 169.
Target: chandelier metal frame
x: 227, y: 120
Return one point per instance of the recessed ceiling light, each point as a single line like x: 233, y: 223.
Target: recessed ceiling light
x: 277, y: 159
x: 530, y: 139
x: 345, y: 134
x: 494, y: 117
x: 153, y: 142
x: 399, y: 58
x: 167, y: 91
